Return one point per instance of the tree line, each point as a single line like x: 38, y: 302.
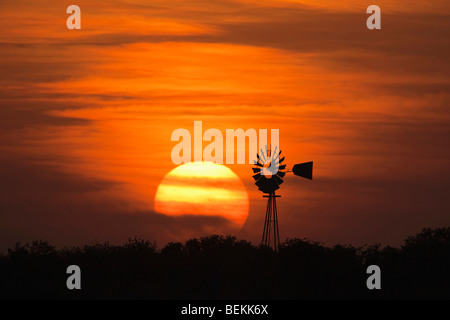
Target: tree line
x: 223, y: 267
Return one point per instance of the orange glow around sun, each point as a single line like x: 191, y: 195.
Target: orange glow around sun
x: 203, y: 188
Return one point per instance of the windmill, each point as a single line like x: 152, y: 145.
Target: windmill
x: 269, y: 172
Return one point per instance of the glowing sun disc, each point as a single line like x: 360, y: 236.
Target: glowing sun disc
x: 203, y: 188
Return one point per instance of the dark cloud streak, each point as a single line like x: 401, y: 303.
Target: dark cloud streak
x: 40, y: 202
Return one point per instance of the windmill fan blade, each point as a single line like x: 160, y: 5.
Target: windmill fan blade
x: 256, y: 170
x: 281, y: 174
x: 267, y: 185
x: 304, y: 170
x: 258, y: 164
x: 257, y: 176
x: 262, y: 183
x: 260, y: 160
x: 262, y: 155
x: 276, y: 155
x: 282, y: 167
x: 275, y: 151
x: 278, y: 180
x: 273, y: 185
x: 277, y: 163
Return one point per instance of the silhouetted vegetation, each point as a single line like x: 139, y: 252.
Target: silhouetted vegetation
x: 218, y: 267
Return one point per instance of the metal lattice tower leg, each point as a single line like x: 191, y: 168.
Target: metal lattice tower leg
x: 271, y: 235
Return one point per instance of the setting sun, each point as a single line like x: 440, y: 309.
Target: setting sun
x: 203, y: 188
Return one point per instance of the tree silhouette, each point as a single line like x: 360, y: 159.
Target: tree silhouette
x: 223, y: 267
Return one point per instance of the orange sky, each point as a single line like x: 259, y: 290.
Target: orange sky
x: 86, y: 116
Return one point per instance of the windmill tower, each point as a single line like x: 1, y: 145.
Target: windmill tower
x: 269, y: 172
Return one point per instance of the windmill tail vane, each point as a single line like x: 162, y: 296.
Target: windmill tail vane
x: 269, y: 172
